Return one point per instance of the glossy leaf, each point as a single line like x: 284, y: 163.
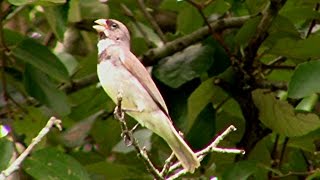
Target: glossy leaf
x: 280, y: 115
x: 42, y: 58
x: 50, y: 163
x: 184, y: 66
x: 305, y: 80
x: 6, y: 149
x: 39, y: 86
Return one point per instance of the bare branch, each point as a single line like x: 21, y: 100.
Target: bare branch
x: 16, y: 164
x: 152, y: 55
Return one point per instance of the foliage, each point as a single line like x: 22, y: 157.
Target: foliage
x: 260, y: 74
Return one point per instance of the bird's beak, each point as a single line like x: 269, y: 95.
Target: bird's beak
x: 101, y: 26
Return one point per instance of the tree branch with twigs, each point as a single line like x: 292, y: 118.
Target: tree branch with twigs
x: 170, y: 170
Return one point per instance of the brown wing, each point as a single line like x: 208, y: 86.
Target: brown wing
x: 132, y: 63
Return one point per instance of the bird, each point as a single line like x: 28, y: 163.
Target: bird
x: 120, y: 71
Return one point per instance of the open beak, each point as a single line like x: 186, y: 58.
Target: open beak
x: 101, y: 25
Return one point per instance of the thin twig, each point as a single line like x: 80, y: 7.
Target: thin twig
x: 313, y: 22
x: 167, y: 165
x: 16, y: 164
x: 210, y: 148
x: 129, y: 139
x: 215, y: 35
x: 152, y: 21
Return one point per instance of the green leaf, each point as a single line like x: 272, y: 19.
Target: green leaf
x: 301, y: 13
x: 106, y: 134
x: 39, y: 86
x: 188, y: 19
x: 38, y: 2
x: 240, y: 170
x: 247, y: 30
x: 308, y: 103
x: 280, y: 115
x: 107, y: 170
x: 217, y: 7
x: 30, y: 124
x: 305, y: 80
x: 298, y: 49
x: 6, y: 149
x: 199, y: 99
x: 57, y: 19
x: 50, y: 163
x: 184, y: 66
x: 203, y: 127
x: 255, y: 6
x: 42, y: 58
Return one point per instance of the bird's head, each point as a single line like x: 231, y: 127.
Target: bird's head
x: 112, y: 32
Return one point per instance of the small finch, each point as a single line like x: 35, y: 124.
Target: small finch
x: 119, y: 70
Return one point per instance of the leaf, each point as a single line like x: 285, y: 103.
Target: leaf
x: 240, y: 170
x: 305, y: 80
x: 203, y: 127
x: 300, y: 13
x: 199, y: 99
x: 57, y: 19
x: 255, y: 6
x: 107, y: 170
x: 50, y: 163
x: 6, y: 149
x: 247, y: 30
x: 184, y: 22
x: 217, y: 7
x: 308, y: 103
x: 298, y: 49
x: 37, y: 2
x: 184, y: 66
x: 42, y: 58
x: 280, y: 116
x: 75, y: 135
x: 39, y: 86
x: 29, y: 124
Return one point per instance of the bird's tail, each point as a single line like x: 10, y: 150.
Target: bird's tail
x: 181, y: 150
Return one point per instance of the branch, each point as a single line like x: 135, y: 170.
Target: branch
x: 16, y: 164
x: 80, y: 83
x: 152, y: 55
x: 152, y: 21
x: 211, y: 148
x: 268, y: 15
x: 129, y: 139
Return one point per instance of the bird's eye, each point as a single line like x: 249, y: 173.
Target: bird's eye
x: 114, y: 26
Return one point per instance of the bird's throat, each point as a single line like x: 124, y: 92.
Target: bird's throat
x: 104, y: 44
